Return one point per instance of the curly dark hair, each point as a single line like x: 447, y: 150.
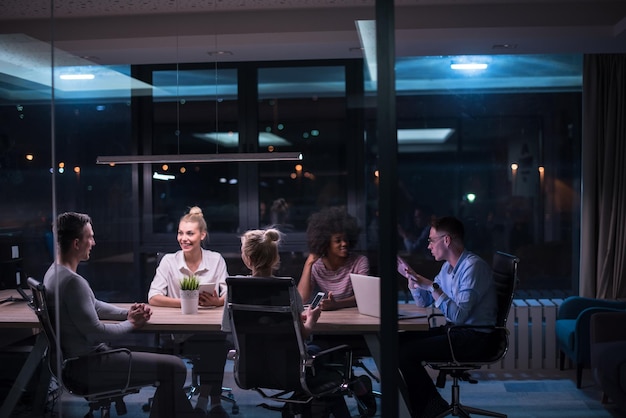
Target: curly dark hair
x: 324, y: 224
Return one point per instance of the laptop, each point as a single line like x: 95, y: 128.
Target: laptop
x: 367, y: 294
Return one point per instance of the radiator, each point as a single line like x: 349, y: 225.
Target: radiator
x: 532, y: 338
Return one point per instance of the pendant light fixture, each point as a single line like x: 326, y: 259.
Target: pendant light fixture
x: 242, y: 157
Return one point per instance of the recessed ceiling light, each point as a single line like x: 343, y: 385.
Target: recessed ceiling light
x: 424, y: 136
x: 77, y: 76
x: 165, y: 177
x: 468, y: 66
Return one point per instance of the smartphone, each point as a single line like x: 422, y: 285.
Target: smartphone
x: 317, y: 299
x: 402, y: 266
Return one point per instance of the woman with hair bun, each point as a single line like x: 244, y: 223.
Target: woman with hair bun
x: 209, y: 351
x: 259, y: 252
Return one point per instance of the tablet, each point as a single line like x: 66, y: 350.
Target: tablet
x: 206, y: 287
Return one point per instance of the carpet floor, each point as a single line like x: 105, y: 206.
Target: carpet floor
x: 529, y: 394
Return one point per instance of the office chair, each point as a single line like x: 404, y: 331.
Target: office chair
x: 505, y: 278
x: 271, y: 354
x: 100, y: 397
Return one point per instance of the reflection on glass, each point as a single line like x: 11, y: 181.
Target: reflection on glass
x: 306, y: 109
x: 195, y: 112
x: 500, y: 165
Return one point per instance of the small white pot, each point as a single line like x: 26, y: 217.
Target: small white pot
x: 189, y: 301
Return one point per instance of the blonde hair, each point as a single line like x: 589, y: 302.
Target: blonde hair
x: 195, y: 215
x: 260, y: 248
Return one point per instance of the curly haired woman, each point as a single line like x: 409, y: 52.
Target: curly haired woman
x: 332, y: 233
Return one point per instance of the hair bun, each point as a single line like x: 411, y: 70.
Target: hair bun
x: 272, y: 234
x: 195, y: 211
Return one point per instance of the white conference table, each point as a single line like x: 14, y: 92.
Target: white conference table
x: 17, y: 315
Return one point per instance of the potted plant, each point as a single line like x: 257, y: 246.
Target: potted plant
x: 189, y: 294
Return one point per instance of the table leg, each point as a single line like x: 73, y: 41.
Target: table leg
x: 373, y: 343
x: 28, y: 369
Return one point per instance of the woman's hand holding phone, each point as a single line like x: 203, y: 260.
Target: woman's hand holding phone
x: 317, y: 299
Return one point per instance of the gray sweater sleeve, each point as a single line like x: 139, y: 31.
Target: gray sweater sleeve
x: 84, y: 312
x: 108, y: 311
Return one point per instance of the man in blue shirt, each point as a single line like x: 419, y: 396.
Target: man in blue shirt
x: 464, y: 292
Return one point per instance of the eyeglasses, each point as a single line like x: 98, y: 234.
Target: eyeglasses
x: 435, y: 239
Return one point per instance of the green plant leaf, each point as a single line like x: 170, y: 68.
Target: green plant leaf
x: 189, y: 283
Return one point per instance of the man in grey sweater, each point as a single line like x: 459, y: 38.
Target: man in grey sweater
x: 83, y: 332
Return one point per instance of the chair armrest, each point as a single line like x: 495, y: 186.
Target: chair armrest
x: 583, y: 323
x: 328, y: 370
x: 104, y: 354
x: 431, y: 318
x: 574, y: 305
x: 338, y: 357
x: 332, y: 350
x: 454, y: 328
x: 331, y: 355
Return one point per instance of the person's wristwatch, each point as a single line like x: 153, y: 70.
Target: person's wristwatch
x: 433, y: 287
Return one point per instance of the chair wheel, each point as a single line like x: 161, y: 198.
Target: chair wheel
x: 369, y: 409
x: 366, y: 401
x: 147, y: 406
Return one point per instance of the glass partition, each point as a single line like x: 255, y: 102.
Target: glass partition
x: 498, y: 146
x: 195, y: 112
x: 488, y: 146
x: 26, y: 171
x: 306, y: 107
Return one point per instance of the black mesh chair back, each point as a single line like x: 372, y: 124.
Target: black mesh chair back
x: 505, y: 279
x: 267, y: 336
x: 504, y: 268
x: 270, y: 352
x: 39, y: 306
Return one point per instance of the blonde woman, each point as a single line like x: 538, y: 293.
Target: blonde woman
x: 209, y: 351
x: 259, y: 252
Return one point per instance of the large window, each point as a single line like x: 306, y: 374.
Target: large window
x: 498, y: 148
x: 500, y: 152
x: 306, y: 107
x: 195, y: 112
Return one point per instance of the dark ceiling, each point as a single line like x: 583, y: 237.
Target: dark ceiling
x: 105, y: 32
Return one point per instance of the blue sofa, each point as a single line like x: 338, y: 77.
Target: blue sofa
x: 572, y: 329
